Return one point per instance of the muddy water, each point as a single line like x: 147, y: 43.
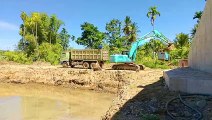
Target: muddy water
x: 41, y: 102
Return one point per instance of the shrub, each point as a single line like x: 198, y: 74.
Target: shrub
x: 49, y: 53
x: 18, y: 57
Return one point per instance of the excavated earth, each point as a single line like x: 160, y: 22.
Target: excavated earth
x: 125, y: 84
x: 105, y: 80
x: 137, y: 93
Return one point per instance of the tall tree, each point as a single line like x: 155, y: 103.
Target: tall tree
x: 114, y: 34
x: 198, y: 16
x: 133, y: 33
x: 130, y: 30
x: 54, y: 26
x: 127, y: 26
x: 194, y: 30
x: 152, y: 14
x: 35, y: 30
x: 91, y: 37
x: 64, y: 39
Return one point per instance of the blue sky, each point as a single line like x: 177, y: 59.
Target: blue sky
x: 176, y: 15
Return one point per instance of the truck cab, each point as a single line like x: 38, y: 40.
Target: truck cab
x: 64, y: 58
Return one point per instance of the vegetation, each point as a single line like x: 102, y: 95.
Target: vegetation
x: 197, y: 16
x: 152, y: 14
x: 182, y: 45
x: 91, y: 37
x: 42, y: 39
x: 114, y: 36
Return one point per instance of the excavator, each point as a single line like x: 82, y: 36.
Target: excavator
x: 125, y: 61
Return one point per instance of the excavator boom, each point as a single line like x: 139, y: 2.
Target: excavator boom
x: 128, y: 60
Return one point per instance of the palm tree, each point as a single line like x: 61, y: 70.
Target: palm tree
x: 182, y: 40
x: 127, y: 27
x: 198, y: 16
x: 152, y: 14
x: 133, y: 33
x: 194, y: 30
x: 127, y: 30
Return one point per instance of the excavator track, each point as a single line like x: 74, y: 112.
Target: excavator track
x: 126, y: 66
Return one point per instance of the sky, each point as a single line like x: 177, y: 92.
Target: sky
x: 176, y: 15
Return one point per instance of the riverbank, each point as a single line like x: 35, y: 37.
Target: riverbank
x: 137, y: 93
x: 106, y: 80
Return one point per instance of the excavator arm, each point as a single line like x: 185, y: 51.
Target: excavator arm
x: 145, y: 39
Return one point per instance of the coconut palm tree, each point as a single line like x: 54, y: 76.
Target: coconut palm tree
x: 194, y: 30
x: 127, y: 27
x: 182, y: 40
x: 198, y: 16
x: 152, y: 14
x: 133, y: 33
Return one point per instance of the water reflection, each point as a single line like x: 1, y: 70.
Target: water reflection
x: 40, y: 102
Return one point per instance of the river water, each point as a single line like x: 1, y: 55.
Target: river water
x: 42, y: 102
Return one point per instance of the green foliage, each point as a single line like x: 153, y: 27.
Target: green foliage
x: 150, y: 117
x: 18, y: 57
x: 182, y: 46
x: 182, y: 40
x: 37, y: 30
x: 64, y: 39
x: 180, y: 53
x: 194, y: 30
x: 91, y: 37
x: 114, y: 36
x: 50, y: 53
x: 154, y: 46
x: 130, y: 30
x: 198, y: 16
x: 149, y: 60
x: 152, y: 14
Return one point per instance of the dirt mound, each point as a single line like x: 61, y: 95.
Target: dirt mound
x: 107, y: 80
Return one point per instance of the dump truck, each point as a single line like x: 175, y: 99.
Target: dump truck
x: 88, y: 58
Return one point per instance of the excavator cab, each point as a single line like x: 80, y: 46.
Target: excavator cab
x: 125, y: 53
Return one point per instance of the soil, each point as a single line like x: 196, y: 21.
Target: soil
x: 137, y: 93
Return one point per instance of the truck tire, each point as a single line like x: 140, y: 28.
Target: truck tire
x: 93, y: 65
x: 85, y: 65
x: 65, y: 64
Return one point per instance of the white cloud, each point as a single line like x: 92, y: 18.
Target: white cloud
x: 8, y: 26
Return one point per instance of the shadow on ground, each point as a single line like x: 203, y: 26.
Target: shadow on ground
x: 151, y: 100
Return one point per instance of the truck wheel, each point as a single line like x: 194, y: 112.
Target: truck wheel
x: 72, y: 66
x: 85, y: 65
x: 93, y: 65
x: 65, y: 64
x: 101, y: 64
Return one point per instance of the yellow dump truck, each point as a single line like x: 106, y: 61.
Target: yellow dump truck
x: 88, y: 58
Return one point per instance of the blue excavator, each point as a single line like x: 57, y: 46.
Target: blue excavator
x: 125, y: 61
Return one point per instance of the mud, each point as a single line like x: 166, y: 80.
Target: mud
x: 43, y: 102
